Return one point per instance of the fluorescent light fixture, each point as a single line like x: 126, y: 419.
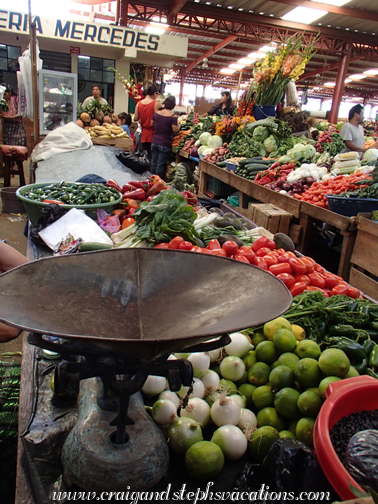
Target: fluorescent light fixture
x: 156, y: 19
x: 329, y: 84
x: 301, y: 14
x: 155, y: 28
x: 357, y: 76
x: 337, y: 3
x: 373, y: 71
x: 268, y: 48
x: 247, y: 61
x: 256, y: 55
x: 227, y: 71
x: 347, y: 80
x: 237, y: 66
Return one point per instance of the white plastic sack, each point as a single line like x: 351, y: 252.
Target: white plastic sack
x: 77, y: 223
x: 292, y: 99
x: 67, y: 138
x: 25, y: 68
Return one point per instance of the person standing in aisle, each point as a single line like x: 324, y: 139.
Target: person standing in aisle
x: 13, y: 126
x: 353, y: 132
x: 96, y: 95
x: 143, y: 113
x: 225, y: 107
x: 165, y: 123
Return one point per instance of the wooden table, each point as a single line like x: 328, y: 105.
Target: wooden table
x: 306, y: 213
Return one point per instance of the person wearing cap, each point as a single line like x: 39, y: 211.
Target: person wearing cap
x: 225, y: 107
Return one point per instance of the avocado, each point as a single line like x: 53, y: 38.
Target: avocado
x: 283, y: 241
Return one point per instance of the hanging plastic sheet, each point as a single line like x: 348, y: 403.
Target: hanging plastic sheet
x: 25, y: 68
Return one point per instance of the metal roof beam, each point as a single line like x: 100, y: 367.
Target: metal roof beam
x: 342, y: 11
x: 175, y: 8
x: 211, y: 51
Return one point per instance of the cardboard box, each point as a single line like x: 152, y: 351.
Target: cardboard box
x: 270, y: 217
x: 125, y: 144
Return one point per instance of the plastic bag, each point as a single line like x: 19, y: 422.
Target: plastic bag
x: 49, y: 214
x: 108, y: 223
x: 137, y: 162
x: 361, y: 458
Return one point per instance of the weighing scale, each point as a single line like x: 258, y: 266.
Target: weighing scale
x: 115, y: 316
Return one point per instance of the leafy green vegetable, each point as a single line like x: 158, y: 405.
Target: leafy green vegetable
x: 302, y: 152
x: 270, y: 144
x: 260, y: 133
x: 164, y: 217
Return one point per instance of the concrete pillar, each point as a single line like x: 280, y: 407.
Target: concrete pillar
x: 339, y: 89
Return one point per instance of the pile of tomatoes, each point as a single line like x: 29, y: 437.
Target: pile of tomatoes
x: 299, y: 274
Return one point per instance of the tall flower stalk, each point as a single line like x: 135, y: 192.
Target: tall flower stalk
x: 272, y: 75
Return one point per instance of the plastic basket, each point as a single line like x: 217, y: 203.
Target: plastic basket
x: 231, y: 166
x: 11, y: 204
x: 351, y: 206
x: 34, y: 208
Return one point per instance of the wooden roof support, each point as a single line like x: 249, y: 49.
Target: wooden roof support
x: 208, y: 53
x: 339, y: 89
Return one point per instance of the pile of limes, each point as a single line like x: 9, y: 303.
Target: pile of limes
x: 287, y: 379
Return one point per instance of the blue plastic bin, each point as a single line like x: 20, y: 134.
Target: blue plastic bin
x: 351, y: 206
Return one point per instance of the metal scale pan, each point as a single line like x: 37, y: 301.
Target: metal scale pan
x: 141, y: 303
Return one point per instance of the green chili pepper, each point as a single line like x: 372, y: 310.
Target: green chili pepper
x: 361, y: 366
x: 371, y: 373
x: 353, y: 350
x: 368, y: 346
x: 373, y: 358
x: 373, y: 325
x: 342, y: 330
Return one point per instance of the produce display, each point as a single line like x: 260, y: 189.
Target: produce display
x: 107, y: 131
x: 72, y: 194
x: 95, y: 115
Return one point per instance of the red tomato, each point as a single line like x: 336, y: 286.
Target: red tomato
x: 195, y: 249
x: 290, y: 254
x: 339, y: 289
x: 312, y: 288
x: 270, y: 259
x: 241, y: 258
x: 219, y: 252
x: 319, y: 269
x: 162, y: 245
x: 262, y: 251
x: 287, y: 279
x: 261, y: 263
x: 185, y: 245
x: 309, y: 263
x: 213, y: 244
x: 283, y: 258
x: 330, y: 280
x: 274, y: 253
x: 297, y: 265
x: 206, y: 250
x: 271, y: 245
x: 280, y: 251
x: 175, y: 242
x: 353, y: 293
x: 297, y: 288
x: 317, y: 280
x: 280, y: 268
x: 302, y: 278
x: 259, y: 243
x: 248, y: 254
x: 230, y: 247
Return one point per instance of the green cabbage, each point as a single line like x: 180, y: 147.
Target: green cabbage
x: 270, y: 144
x: 302, y: 152
x: 201, y: 149
x: 214, y: 141
x: 207, y: 151
x: 204, y: 137
x: 371, y: 155
x: 260, y: 133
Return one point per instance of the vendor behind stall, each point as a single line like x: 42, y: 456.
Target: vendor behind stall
x: 96, y: 95
x: 225, y: 107
x: 353, y: 132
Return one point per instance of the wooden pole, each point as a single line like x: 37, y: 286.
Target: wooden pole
x: 238, y: 88
x: 34, y: 75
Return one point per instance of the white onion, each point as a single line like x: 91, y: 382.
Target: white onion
x: 182, y: 433
x: 240, y: 400
x: 198, y: 390
x: 240, y: 345
x: 215, y: 355
x: 247, y: 420
x: 154, y: 385
x: 164, y: 412
x: 211, y: 380
x: 212, y: 397
x: 172, y: 357
x: 198, y: 409
x: 200, y: 363
x: 225, y: 411
x: 171, y: 396
x: 231, y: 441
x: 232, y: 368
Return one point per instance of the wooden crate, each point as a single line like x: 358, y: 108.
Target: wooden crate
x: 364, y: 264
x: 270, y: 217
x: 125, y: 144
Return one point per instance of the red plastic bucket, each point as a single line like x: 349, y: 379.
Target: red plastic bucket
x: 343, y: 398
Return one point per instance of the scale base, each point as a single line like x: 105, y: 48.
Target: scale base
x: 94, y: 463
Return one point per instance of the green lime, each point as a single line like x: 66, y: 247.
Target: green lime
x: 204, y: 460
x: 269, y: 416
x: 314, y: 389
x: 257, y: 338
x: 323, y: 385
x: 334, y: 362
x: 308, y: 348
x: 292, y: 425
x: 287, y: 433
x: 285, y: 403
x: 243, y: 379
x: 309, y: 403
x: 258, y: 374
x: 247, y: 390
x: 280, y: 377
x: 284, y: 340
x: 229, y: 386
x: 270, y: 328
x: 250, y: 359
x: 261, y: 442
x: 352, y: 373
x: 288, y: 359
x: 263, y: 397
x: 307, y: 372
x: 304, y: 431
x: 266, y: 352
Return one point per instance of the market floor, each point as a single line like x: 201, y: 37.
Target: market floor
x: 12, y: 231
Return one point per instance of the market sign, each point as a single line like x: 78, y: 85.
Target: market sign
x: 95, y: 33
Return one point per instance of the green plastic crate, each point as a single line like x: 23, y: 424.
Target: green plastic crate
x: 218, y: 187
x: 34, y: 208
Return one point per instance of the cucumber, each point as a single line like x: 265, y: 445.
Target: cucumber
x: 221, y: 164
x: 244, y: 162
x: 256, y: 167
x: 91, y: 246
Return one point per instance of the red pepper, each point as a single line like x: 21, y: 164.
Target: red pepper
x: 155, y: 178
x: 265, y: 180
x: 275, y: 165
x: 150, y: 198
x: 137, y: 194
x: 190, y: 197
x: 127, y: 188
x: 53, y: 201
x: 140, y: 185
x: 113, y: 183
x: 156, y: 188
x: 258, y: 177
x: 131, y: 203
x: 132, y: 211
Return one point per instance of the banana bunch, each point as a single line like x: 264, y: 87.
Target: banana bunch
x: 107, y: 131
